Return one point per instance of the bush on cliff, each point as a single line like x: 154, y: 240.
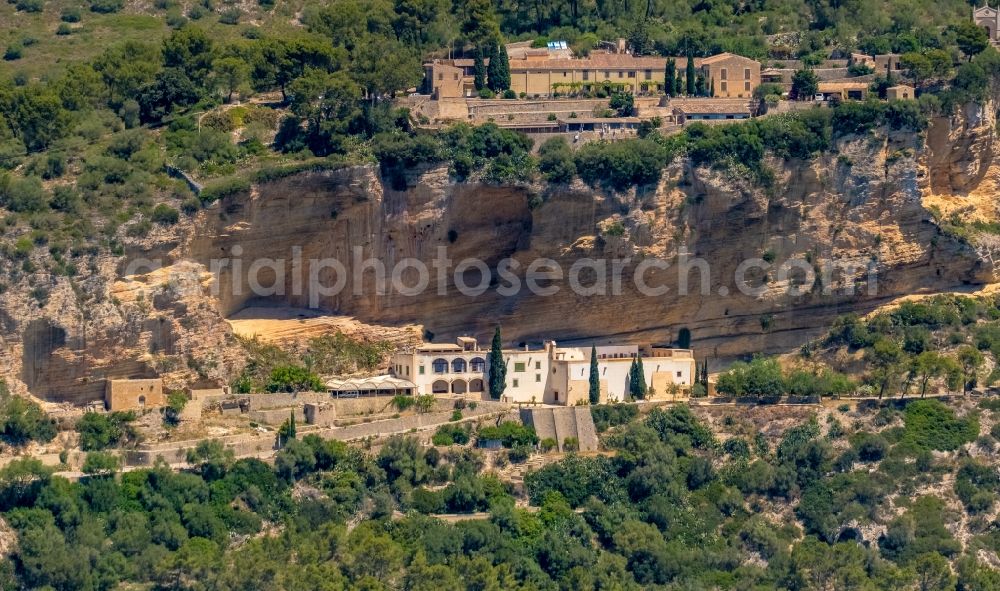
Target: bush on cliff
x: 22, y: 421
x: 293, y: 378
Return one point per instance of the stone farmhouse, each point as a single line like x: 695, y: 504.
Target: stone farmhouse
x: 546, y: 375
x: 539, y: 74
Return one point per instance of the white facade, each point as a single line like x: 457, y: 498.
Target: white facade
x: 550, y: 375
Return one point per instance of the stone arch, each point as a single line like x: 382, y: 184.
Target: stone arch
x: 440, y: 387
x: 439, y: 365
x: 458, y: 365
x: 142, y: 402
x: 459, y: 387
x: 684, y: 338
x: 476, y: 385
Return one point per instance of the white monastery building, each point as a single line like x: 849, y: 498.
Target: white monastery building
x: 549, y: 375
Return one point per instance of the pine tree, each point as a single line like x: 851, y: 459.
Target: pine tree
x: 670, y: 78
x: 479, y: 69
x: 595, y: 377
x: 691, y: 77
x: 496, y: 367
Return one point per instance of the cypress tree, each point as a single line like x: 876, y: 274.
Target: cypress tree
x: 498, y: 70
x: 679, y: 85
x: 670, y: 78
x: 704, y: 375
x: 497, y: 367
x: 690, y: 75
x: 595, y: 377
x: 504, y: 69
x: 699, y: 86
x: 631, y: 380
x: 479, y: 68
x: 291, y: 425
x: 640, y: 379
x: 711, y: 91
x: 492, y: 76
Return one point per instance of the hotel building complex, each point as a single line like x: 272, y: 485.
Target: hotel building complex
x: 546, y: 375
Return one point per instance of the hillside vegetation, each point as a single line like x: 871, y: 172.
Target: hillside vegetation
x: 884, y: 498
x: 106, y: 103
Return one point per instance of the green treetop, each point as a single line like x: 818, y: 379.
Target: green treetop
x: 595, y: 377
x: 496, y: 367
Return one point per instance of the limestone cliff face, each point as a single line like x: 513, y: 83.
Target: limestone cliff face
x: 863, y: 203
x: 859, y: 204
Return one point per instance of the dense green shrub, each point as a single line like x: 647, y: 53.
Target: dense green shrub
x: 22, y: 194
x: 761, y: 378
x: 14, y: 51
x: 555, y: 161
x: 106, y: 6
x: 976, y: 485
x: 222, y: 189
x: 293, y: 378
x: 165, y: 215
x: 451, y: 435
x: 930, y: 425
x: 100, y: 431
x: 22, y: 421
x: 612, y: 415
x: 29, y: 5
x: 871, y: 447
x: 70, y: 14
x: 509, y: 434
x: 621, y: 165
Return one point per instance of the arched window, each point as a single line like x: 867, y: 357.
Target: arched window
x: 142, y: 402
x: 439, y: 366
x: 458, y: 365
x: 478, y: 364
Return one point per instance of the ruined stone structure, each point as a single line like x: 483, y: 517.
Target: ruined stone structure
x: 320, y: 413
x: 134, y: 394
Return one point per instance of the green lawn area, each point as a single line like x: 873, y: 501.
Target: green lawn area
x: 45, y: 51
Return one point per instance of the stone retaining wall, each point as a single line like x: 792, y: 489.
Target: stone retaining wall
x: 255, y: 444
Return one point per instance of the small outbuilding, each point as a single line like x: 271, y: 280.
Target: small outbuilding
x: 134, y: 394
x: 900, y: 92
